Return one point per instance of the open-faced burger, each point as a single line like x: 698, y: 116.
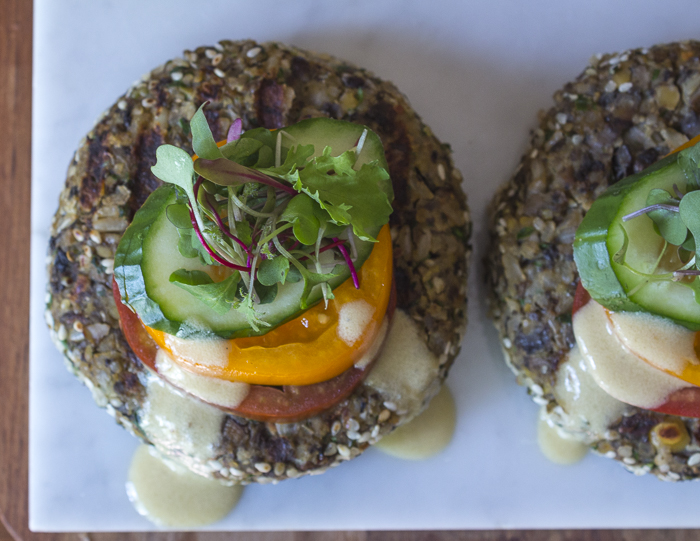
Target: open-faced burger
x: 593, y: 270
x: 295, y: 287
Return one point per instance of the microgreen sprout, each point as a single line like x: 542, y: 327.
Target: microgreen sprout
x: 262, y: 205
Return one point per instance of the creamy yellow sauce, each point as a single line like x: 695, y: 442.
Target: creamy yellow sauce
x: 406, y: 369
x: 211, y: 352
x: 228, y: 394
x: 617, y: 370
x: 426, y: 435
x: 353, y: 320
x: 557, y: 448
x: 171, y: 496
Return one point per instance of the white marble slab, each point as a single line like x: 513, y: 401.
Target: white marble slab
x: 477, y: 72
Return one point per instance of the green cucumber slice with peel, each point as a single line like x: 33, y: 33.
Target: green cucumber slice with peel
x: 147, y: 254
x: 603, y: 237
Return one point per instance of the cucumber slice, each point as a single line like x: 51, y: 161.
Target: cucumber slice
x: 602, y: 235
x: 148, y: 255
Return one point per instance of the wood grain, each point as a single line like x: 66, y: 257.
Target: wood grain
x: 15, y: 122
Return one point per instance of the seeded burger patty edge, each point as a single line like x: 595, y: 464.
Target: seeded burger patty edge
x: 620, y: 115
x: 270, y: 85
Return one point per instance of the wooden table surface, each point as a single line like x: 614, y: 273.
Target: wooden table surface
x: 15, y: 123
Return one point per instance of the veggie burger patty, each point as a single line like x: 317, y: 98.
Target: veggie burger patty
x: 272, y: 86
x: 624, y: 112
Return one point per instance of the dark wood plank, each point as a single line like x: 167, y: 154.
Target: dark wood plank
x: 15, y: 120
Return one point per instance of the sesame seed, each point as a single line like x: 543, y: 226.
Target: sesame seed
x: 335, y: 428
x: 390, y: 406
x: 577, y: 139
x: 279, y: 468
x: 664, y: 468
x: 95, y: 237
x: 78, y: 326
x: 507, y: 343
x: 537, y: 390
x: 217, y: 59
x: 210, y: 53
x: 344, y: 451
x: 176, y: 75
x: 78, y: 234
x: 624, y: 451
x: 365, y: 437
x: 383, y: 416
x: 236, y: 472
x: 352, y: 424
x: 62, y: 333
x: 121, y: 105
x: 375, y: 431
x: 673, y: 476
x: 694, y: 460
x: 614, y: 60
x: 610, y: 86
x: 148, y: 102
x: 610, y: 454
x: 292, y: 472
x: 263, y: 467
x: 47, y: 298
x: 108, y: 265
x: 561, y: 118
x: 252, y: 53
x: 629, y: 460
x: 331, y: 449
x: 625, y: 87
x: 533, y: 154
x: 352, y: 435
x: 219, y: 73
x: 219, y: 47
x: 441, y: 171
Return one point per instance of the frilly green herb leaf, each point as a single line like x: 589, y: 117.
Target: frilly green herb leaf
x: 219, y: 296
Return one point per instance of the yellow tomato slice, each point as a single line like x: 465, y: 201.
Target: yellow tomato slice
x: 308, y: 349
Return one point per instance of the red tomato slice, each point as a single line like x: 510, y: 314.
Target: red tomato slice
x: 263, y: 403
x: 581, y: 298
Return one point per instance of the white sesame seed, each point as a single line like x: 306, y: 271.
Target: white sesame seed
x: 507, y: 343
x: 292, y: 472
x: 78, y: 326
x: 625, y: 87
x: 252, y: 53
x: 375, y: 431
x: 673, y: 476
x: 610, y: 454
x: 533, y: 154
x: 352, y: 424
x: 561, y: 118
x: 279, y: 468
x: 65, y: 304
x: 624, y: 451
x: 219, y: 73
x: 217, y: 59
x: 390, y: 406
x: 365, y: 437
x: 210, y: 53
x: 121, y: 105
x: 614, y: 60
x: 108, y: 265
x: 335, y: 428
x: 47, y: 298
x: 441, y: 171
x: 590, y: 71
x: 537, y: 390
x: 263, y: 467
x: 331, y: 449
x: 663, y: 468
x: 62, y: 333
x: 148, y: 102
x: 624, y: 58
x: 176, y: 75
x: 577, y: 139
x: 694, y: 460
x: 610, y: 86
x: 236, y: 472
x: 95, y: 237
x: 78, y: 234
x: 539, y: 401
x: 352, y: 435
x: 629, y: 460
x: 383, y: 416
x: 343, y: 450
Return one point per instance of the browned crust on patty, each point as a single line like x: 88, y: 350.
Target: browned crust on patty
x: 621, y: 114
x: 269, y: 85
